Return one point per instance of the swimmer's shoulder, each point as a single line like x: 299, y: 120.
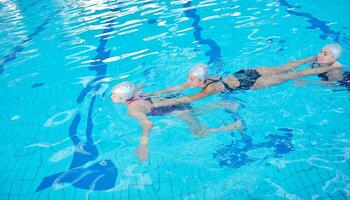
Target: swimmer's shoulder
x: 338, y: 64
x: 336, y: 74
x: 213, y: 88
x: 141, y: 105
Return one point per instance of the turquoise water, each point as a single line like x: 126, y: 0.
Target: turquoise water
x: 62, y: 138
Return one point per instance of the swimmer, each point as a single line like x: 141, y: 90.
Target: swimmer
x: 140, y: 107
x: 329, y: 57
x: 245, y: 79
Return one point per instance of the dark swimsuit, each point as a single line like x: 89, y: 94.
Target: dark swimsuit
x: 158, y: 111
x: 246, y: 78
x: 227, y: 88
x: 345, y: 81
x: 323, y: 76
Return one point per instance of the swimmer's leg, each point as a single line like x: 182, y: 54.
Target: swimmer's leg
x: 187, y: 116
x: 266, y: 81
x: 283, y: 68
x: 222, y: 104
x: 237, y: 125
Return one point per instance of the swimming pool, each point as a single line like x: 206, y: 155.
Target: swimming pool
x: 62, y: 138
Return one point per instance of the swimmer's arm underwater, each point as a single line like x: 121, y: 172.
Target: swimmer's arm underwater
x: 168, y: 90
x: 322, y: 83
x: 146, y: 124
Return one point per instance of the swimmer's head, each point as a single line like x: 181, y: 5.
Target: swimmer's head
x: 329, y: 53
x: 198, y: 74
x: 123, y: 92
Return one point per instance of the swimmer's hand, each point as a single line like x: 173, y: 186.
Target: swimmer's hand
x: 312, y: 58
x: 142, y: 152
x: 232, y: 127
x: 199, y: 131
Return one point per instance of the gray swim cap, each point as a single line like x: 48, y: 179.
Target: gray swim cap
x: 200, y: 71
x: 336, y: 50
x: 125, y: 90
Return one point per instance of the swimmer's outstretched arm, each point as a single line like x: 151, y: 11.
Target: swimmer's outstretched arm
x: 294, y: 64
x: 185, y: 99
x: 146, y: 124
x: 168, y: 90
x: 319, y: 82
x: 285, y: 67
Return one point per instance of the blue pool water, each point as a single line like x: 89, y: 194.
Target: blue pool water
x: 63, y: 138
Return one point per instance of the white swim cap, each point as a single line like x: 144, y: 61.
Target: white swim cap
x: 336, y: 50
x: 125, y: 90
x: 200, y: 71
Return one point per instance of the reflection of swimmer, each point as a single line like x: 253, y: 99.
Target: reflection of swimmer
x: 141, y: 107
x: 328, y: 57
x: 245, y: 79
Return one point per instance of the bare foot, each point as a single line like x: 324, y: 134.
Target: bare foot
x: 230, y: 106
x: 239, y: 127
x: 235, y: 126
x: 202, y: 131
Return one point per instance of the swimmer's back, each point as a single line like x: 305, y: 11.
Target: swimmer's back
x: 141, y: 105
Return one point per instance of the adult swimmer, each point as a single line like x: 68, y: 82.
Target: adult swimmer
x: 245, y: 79
x: 140, y: 107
